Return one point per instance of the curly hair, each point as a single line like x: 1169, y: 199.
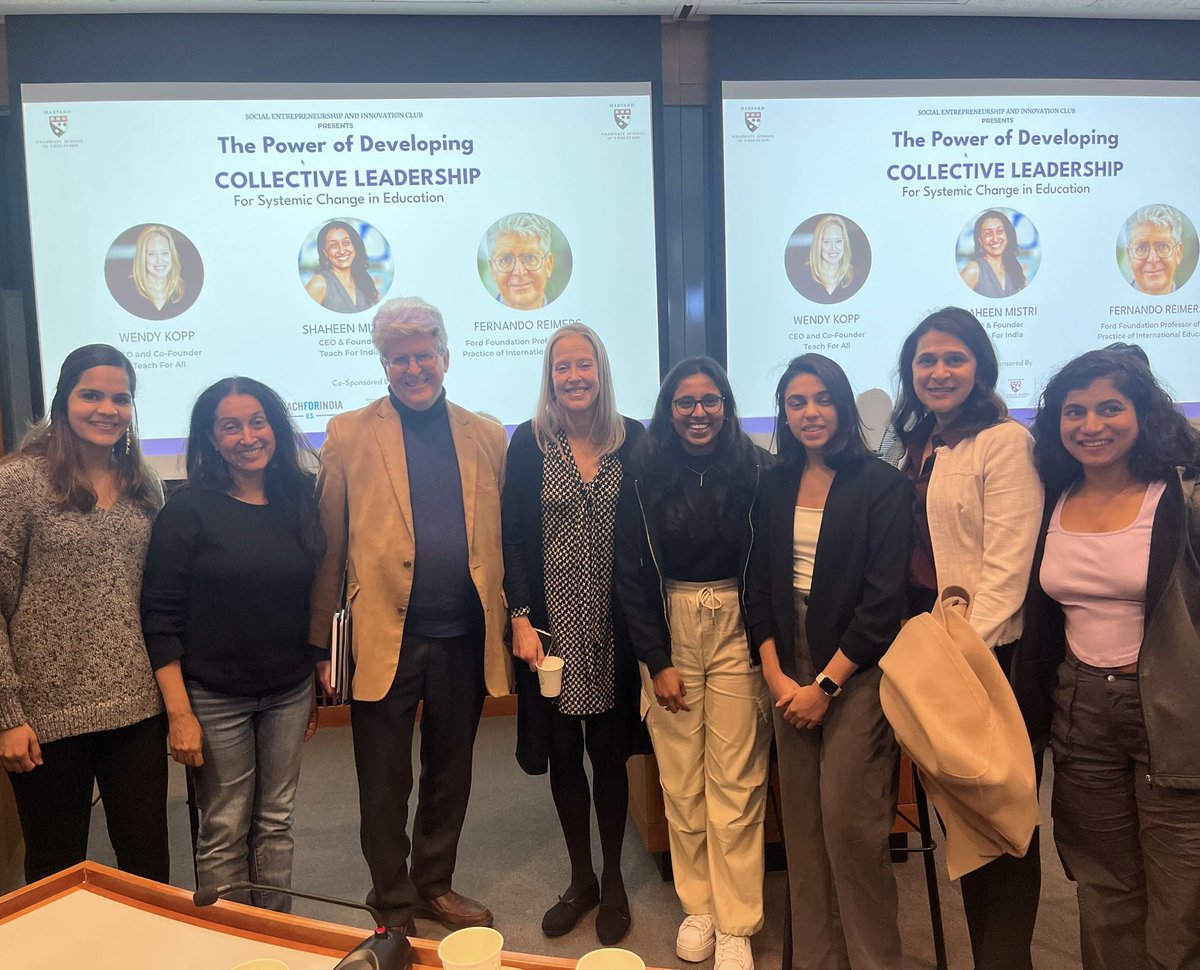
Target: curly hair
x: 288, y: 483
x: 1165, y: 440
x: 660, y: 456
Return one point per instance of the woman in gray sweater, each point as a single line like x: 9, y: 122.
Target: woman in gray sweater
x: 78, y: 703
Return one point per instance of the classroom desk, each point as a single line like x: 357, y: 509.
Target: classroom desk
x: 91, y: 916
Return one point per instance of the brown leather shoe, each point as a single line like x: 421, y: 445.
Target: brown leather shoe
x: 454, y: 911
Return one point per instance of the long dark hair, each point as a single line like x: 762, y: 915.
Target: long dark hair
x: 983, y: 406
x: 289, y: 485
x: 661, y: 457
x: 1012, y: 265
x: 52, y: 440
x: 359, y: 268
x: 847, y: 444
x: 1165, y: 440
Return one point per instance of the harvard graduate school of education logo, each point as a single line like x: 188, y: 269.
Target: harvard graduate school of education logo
x: 753, y: 120
x: 58, y: 124
x: 621, y: 117
x: 1016, y: 385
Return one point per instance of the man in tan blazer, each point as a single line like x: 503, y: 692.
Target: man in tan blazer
x: 410, y: 503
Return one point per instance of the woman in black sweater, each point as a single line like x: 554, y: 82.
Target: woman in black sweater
x: 225, y: 614
x: 682, y: 548
x: 562, y: 482
x: 824, y: 600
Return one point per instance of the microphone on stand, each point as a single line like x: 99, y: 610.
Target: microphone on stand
x: 383, y: 950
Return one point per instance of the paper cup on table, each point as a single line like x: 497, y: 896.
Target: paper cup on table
x: 475, y: 948
x: 550, y: 673
x: 611, y: 958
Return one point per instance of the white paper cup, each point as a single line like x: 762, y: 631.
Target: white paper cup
x: 611, y: 958
x: 475, y: 948
x: 262, y: 963
x: 550, y: 673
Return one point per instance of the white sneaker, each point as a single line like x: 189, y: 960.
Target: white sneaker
x: 733, y: 953
x: 696, y: 938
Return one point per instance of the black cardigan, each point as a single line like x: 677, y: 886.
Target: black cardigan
x: 857, y: 598
x: 525, y: 586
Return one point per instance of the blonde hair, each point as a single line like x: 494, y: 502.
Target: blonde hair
x: 845, y: 275
x: 608, y: 427
x: 173, y: 291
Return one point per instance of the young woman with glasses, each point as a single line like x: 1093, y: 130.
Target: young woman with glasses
x: 682, y: 550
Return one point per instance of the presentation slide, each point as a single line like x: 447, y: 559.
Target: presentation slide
x: 217, y: 229
x: 1062, y: 213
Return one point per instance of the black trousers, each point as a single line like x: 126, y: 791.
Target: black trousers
x: 447, y: 675
x: 54, y: 801
x: 1001, y: 898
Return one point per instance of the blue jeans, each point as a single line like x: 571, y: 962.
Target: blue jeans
x: 246, y: 788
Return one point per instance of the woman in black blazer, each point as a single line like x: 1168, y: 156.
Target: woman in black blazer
x: 824, y: 600
x: 566, y: 470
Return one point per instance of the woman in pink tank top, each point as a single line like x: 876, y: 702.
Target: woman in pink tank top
x: 1109, y: 663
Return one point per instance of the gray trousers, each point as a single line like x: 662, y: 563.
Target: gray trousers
x: 838, y: 784
x: 1133, y: 848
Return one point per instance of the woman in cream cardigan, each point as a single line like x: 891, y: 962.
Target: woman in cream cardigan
x: 976, y: 509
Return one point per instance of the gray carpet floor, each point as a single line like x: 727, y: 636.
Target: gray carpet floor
x: 512, y: 857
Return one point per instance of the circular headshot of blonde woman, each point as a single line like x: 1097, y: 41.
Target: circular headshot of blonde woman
x: 154, y: 271
x: 827, y: 258
x: 524, y: 261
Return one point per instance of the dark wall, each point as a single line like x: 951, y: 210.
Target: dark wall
x: 804, y: 48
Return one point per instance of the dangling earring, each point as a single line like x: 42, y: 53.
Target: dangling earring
x: 128, y: 438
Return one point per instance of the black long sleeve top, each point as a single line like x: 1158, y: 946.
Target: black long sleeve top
x: 226, y: 592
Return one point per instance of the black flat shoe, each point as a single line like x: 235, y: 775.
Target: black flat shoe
x: 563, y: 916
x: 612, y: 922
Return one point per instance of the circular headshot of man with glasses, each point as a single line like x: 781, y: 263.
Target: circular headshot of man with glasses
x: 524, y: 261
x: 1157, y: 249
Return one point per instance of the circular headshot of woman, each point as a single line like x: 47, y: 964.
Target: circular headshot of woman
x: 998, y: 253
x: 827, y: 258
x: 154, y: 271
x: 524, y: 261
x: 346, y: 265
x: 1157, y: 249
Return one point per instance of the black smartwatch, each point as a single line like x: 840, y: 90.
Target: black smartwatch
x: 828, y: 686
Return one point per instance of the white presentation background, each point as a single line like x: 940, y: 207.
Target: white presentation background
x: 794, y: 150
x: 123, y: 155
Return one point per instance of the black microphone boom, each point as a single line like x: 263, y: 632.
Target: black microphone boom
x: 385, y: 949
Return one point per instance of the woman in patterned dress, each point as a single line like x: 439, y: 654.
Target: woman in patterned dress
x: 564, y: 475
